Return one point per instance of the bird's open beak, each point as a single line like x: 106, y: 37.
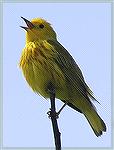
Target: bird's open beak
x: 28, y: 23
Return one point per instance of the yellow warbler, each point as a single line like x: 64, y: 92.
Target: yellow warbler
x: 45, y: 62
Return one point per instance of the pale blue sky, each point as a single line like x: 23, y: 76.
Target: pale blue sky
x: 85, y: 30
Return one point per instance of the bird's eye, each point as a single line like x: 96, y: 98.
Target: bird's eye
x: 41, y: 26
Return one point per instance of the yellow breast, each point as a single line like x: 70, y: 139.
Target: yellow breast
x: 39, y: 68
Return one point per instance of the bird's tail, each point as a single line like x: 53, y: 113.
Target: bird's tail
x: 95, y: 122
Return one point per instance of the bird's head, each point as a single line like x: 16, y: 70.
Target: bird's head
x: 38, y: 29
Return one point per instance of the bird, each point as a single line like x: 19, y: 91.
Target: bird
x: 46, y: 63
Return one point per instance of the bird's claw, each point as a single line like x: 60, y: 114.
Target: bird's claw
x: 52, y: 114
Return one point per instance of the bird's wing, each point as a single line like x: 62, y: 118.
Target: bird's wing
x: 71, y: 70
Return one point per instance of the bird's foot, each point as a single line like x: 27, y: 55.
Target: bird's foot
x: 52, y: 114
